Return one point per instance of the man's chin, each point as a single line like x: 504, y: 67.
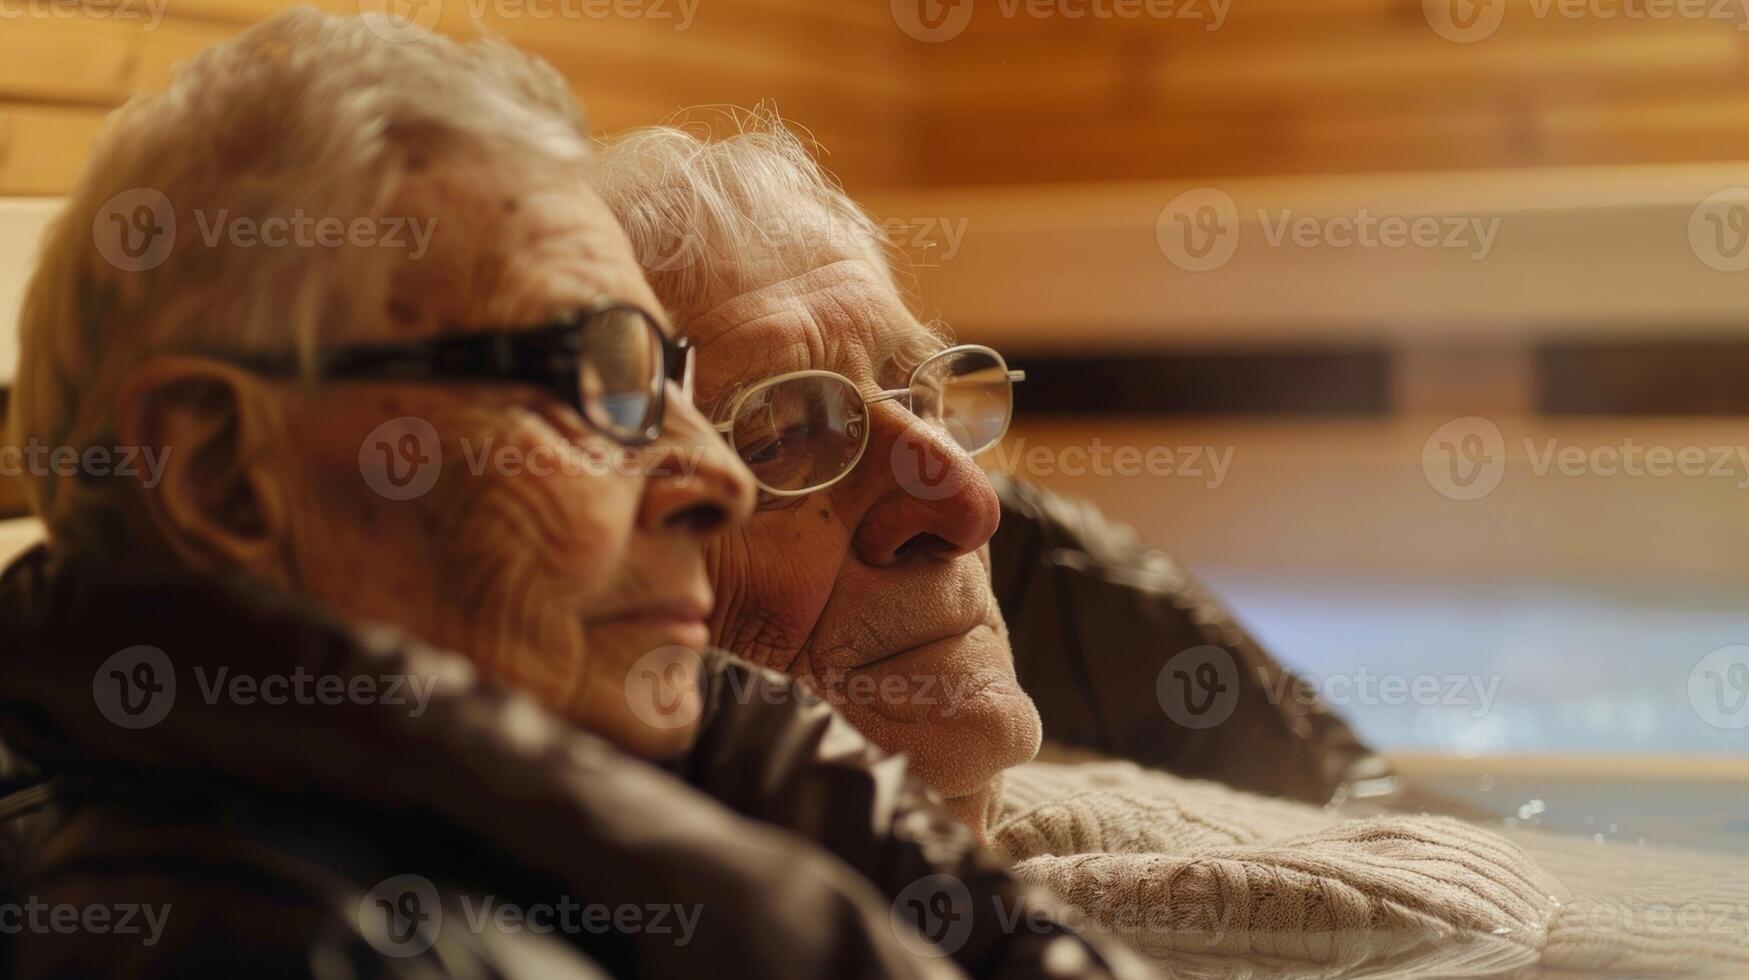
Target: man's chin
x: 978, y: 810
x: 961, y: 728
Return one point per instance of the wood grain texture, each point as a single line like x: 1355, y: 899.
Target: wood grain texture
x: 833, y: 68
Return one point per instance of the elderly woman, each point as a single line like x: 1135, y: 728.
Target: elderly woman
x: 365, y: 678
x: 865, y: 571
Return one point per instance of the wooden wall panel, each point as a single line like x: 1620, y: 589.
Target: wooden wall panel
x: 1288, y: 87
x: 830, y: 67
x: 42, y: 147
x: 1283, y: 87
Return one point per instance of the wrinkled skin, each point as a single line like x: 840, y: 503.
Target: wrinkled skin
x: 557, y: 582
x: 878, y: 596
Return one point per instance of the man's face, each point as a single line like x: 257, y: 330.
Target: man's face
x: 549, y: 555
x: 877, y: 594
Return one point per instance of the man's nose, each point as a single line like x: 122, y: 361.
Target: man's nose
x: 694, y: 483
x: 933, y: 501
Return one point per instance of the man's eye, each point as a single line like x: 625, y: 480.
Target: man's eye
x: 760, y: 451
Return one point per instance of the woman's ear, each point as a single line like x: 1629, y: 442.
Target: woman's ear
x: 216, y: 502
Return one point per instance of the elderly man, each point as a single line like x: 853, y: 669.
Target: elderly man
x: 865, y: 571
x: 364, y: 679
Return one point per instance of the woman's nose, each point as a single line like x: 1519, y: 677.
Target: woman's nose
x: 694, y: 483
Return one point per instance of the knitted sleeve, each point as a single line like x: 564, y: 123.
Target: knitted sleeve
x: 1200, y: 876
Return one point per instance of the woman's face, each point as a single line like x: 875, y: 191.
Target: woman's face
x: 876, y: 589
x: 550, y: 556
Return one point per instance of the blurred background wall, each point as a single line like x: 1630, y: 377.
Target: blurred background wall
x: 1390, y: 262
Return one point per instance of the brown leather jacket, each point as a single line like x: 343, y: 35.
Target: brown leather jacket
x: 1127, y: 655
x: 357, y: 837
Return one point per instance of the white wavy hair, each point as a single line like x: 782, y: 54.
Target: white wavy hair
x: 710, y: 218
x: 305, y: 112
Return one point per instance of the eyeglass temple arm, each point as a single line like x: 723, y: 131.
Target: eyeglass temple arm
x: 880, y: 396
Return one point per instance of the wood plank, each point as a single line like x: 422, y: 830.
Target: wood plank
x: 42, y: 149
x: 49, y: 59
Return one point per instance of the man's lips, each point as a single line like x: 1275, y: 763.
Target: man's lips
x: 928, y: 640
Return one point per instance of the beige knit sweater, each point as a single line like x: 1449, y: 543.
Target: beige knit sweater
x: 1213, y: 882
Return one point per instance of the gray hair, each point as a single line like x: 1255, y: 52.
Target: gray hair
x: 710, y: 219
x: 304, y: 114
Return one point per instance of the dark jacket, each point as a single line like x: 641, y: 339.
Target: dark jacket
x: 317, y: 837
x: 1127, y: 655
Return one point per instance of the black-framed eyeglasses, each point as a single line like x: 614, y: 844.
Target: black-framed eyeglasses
x: 611, y: 362
x: 804, y: 431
